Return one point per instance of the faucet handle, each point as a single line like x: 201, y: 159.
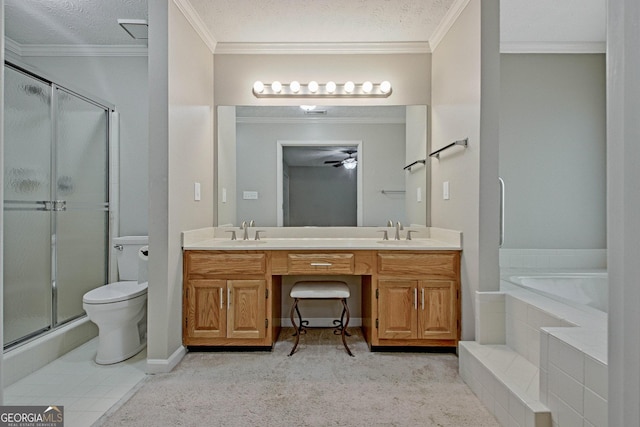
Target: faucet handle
x: 409, y: 234
x: 258, y: 234
x: 385, y: 236
x: 233, y: 234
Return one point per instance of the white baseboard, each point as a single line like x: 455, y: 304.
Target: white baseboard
x: 162, y: 366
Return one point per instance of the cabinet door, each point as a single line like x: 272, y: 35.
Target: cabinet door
x: 246, y: 312
x: 206, y: 313
x: 437, y: 314
x: 397, y: 314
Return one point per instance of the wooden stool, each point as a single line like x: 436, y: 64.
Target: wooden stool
x: 320, y: 290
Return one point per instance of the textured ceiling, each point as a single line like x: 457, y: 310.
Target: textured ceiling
x: 94, y: 22
x: 71, y: 22
x: 321, y: 20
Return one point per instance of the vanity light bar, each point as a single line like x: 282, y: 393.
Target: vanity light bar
x: 314, y: 89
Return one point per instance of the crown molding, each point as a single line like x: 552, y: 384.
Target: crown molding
x: 321, y: 119
x: 25, y: 50
x: 552, y: 47
x: 447, y: 22
x: 370, y: 48
x: 196, y: 22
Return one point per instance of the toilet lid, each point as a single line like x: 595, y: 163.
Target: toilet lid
x: 115, y: 292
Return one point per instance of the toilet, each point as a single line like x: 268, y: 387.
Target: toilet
x: 120, y: 309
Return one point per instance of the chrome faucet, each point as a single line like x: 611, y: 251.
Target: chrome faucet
x: 398, y: 228
x: 245, y: 230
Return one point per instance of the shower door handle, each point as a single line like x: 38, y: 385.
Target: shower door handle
x: 59, y: 205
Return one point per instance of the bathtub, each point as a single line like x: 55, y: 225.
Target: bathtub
x: 582, y: 289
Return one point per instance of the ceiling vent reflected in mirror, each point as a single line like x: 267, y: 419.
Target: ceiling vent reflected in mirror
x: 136, y: 28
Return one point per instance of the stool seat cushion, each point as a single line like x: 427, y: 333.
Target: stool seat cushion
x: 320, y: 289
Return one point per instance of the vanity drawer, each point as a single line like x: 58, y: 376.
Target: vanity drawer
x: 427, y: 264
x: 206, y: 263
x: 321, y: 263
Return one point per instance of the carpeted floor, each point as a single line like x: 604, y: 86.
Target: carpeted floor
x: 320, y: 385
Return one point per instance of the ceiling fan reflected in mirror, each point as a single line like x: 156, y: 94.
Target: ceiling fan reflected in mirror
x: 349, y: 162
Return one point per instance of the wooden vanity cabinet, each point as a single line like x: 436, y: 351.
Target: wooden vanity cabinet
x: 225, y: 299
x: 418, y: 299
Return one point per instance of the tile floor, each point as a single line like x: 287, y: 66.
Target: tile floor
x: 85, y: 389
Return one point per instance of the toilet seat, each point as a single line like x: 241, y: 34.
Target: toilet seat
x: 115, y: 292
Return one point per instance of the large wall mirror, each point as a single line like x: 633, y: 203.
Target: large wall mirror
x: 329, y: 166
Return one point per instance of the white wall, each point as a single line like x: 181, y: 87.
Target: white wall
x: 623, y: 199
x: 458, y: 76
x: 382, y: 159
x: 416, y: 179
x: 181, y: 153
x: 226, y: 165
x: 122, y: 81
x: 553, y: 150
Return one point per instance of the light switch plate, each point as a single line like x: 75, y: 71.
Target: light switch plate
x: 445, y: 190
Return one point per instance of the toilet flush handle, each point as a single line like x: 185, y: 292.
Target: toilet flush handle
x: 118, y: 247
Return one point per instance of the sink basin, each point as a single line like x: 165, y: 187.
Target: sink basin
x: 240, y: 242
x: 401, y: 242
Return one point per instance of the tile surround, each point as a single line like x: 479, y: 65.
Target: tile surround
x: 564, y: 346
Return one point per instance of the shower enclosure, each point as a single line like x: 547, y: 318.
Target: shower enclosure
x: 56, y: 203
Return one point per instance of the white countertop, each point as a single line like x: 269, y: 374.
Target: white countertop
x: 326, y: 238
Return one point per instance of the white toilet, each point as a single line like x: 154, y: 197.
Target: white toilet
x: 120, y: 309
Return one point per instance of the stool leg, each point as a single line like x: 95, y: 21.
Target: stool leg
x: 303, y: 323
x: 344, y: 329
x: 294, y: 307
x: 339, y: 325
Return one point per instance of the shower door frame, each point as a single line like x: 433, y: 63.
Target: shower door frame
x: 111, y: 205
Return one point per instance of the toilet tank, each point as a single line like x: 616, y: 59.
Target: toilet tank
x: 126, y: 248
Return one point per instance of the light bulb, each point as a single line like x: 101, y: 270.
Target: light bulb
x: 276, y: 87
x: 258, y: 87
x: 331, y: 87
x: 313, y: 86
x: 349, y: 86
x: 385, y: 86
x: 350, y: 163
x: 367, y: 87
x: 294, y: 86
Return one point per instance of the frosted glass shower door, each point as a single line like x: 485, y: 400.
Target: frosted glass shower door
x: 81, y: 229
x: 27, y: 224
x: 56, y: 203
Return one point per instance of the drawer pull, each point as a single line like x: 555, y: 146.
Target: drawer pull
x: 321, y: 264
